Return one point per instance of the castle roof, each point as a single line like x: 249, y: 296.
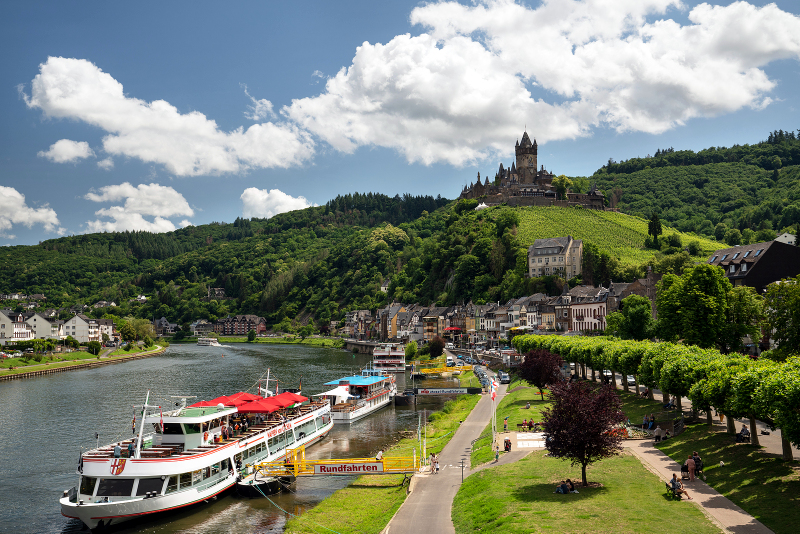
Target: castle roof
x: 526, y: 141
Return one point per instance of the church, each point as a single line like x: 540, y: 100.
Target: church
x: 525, y: 185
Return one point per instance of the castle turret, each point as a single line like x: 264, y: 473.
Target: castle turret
x: 526, y: 153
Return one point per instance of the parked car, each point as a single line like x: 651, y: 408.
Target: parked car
x: 504, y: 377
x: 631, y: 380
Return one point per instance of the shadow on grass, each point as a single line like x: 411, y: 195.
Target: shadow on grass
x: 546, y: 492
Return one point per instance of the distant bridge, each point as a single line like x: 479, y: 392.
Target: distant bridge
x: 364, y: 347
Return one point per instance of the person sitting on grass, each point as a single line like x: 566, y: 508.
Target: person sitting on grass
x: 645, y: 393
x: 743, y: 436
x: 562, y: 488
x: 677, y: 486
x: 571, y: 486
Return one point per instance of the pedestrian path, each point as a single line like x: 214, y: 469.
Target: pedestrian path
x: 720, y: 508
x: 427, y: 510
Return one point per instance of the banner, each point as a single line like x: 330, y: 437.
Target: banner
x: 359, y: 468
x: 447, y: 391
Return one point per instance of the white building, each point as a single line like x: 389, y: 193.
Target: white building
x: 787, y: 238
x: 44, y: 328
x: 82, y: 328
x: 13, y: 327
x: 558, y: 255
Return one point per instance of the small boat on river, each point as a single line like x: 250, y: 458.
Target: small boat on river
x: 355, y: 397
x: 207, y: 342
x: 193, y: 454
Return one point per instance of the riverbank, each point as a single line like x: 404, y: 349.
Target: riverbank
x: 369, y: 502
x: 323, y: 342
x: 32, y: 371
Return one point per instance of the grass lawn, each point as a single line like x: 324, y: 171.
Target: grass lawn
x: 764, y: 486
x: 519, y: 498
x: 368, y: 504
x: 636, y: 407
x: 60, y: 360
x: 513, y: 407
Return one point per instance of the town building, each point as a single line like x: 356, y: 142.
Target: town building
x: 555, y: 256
x: 240, y: 325
x: 786, y: 237
x: 759, y: 264
x: 44, y: 328
x: 82, y: 328
x: 14, y: 328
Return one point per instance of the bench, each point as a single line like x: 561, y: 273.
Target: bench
x: 671, y: 492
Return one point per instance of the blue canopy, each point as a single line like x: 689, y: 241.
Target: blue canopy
x: 357, y: 380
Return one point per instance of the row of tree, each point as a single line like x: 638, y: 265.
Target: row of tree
x: 734, y: 385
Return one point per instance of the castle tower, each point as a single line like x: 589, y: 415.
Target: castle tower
x: 526, y: 159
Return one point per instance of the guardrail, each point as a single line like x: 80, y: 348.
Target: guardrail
x: 296, y: 465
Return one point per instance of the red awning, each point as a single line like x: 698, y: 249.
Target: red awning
x: 451, y: 328
x: 292, y: 396
x: 260, y: 406
x: 243, y: 396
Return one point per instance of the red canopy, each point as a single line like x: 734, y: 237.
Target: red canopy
x: 242, y: 396
x: 260, y: 406
x: 292, y: 396
x: 451, y: 328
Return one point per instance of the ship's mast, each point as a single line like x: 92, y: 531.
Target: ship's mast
x: 145, y: 406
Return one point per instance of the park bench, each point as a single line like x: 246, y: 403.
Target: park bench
x: 671, y: 492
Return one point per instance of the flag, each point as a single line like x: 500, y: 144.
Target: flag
x: 494, y: 389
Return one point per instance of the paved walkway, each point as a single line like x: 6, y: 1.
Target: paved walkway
x: 720, y: 508
x: 428, y: 508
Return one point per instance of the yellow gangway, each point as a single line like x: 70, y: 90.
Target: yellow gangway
x: 296, y: 465
x: 444, y: 369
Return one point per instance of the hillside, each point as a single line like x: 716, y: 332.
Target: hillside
x: 745, y: 188
x: 319, y: 262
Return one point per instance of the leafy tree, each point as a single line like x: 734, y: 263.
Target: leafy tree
x: 94, y: 347
x: 654, y: 228
x: 720, y: 230
x: 305, y: 331
x: 148, y: 341
x: 436, y: 347
x: 105, y: 338
x: 126, y: 332
x: 745, y: 315
x: 411, y: 350
x: 506, y: 220
x: 540, y: 368
x: 782, y: 308
x: 251, y: 336
x: 694, y: 248
x: 634, y: 320
x: 579, y: 426
x: 70, y: 341
x: 178, y: 335
x: 561, y: 183
x: 733, y: 237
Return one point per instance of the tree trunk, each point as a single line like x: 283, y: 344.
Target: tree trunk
x: 583, y: 369
x: 787, y: 449
x: 650, y: 395
x: 593, y: 378
x: 709, y: 417
x: 678, y: 404
x: 731, y: 424
x: 613, y: 380
x: 753, y: 431
x: 625, y: 387
x: 636, y: 384
x: 583, y: 473
x: 665, y: 397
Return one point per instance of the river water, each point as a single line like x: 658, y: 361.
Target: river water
x: 44, y: 423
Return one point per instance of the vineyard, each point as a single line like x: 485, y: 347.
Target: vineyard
x: 621, y: 236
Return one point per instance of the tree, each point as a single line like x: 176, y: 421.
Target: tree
x: 745, y: 315
x: 541, y: 368
x: 251, y: 336
x: 782, y: 307
x: 562, y: 183
x: 634, y: 320
x: 579, y: 426
x: 305, y: 331
x: 105, y: 337
x: 436, y: 347
x: 148, y: 341
x: 694, y: 248
x: 733, y: 237
x: 654, y: 227
x: 411, y: 350
x: 507, y: 219
x: 127, y: 332
x: 94, y: 347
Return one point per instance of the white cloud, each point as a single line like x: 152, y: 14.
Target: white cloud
x: 151, y: 200
x: 260, y: 109
x: 14, y: 210
x: 67, y: 151
x: 186, y: 144
x: 266, y: 203
x: 106, y: 164
x: 460, y: 91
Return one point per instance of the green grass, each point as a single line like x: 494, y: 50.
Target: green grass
x: 513, y: 407
x: 519, y: 498
x: 621, y: 236
x: 764, y: 486
x: 62, y: 360
x: 368, y: 504
x: 636, y: 407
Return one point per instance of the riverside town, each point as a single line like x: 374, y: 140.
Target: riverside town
x: 468, y: 267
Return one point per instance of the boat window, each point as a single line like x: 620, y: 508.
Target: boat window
x: 157, y: 428
x: 197, y: 476
x: 186, y: 480
x: 146, y: 485
x: 191, y: 428
x: 215, y: 469
x: 289, y: 438
x: 226, y: 464
x: 115, y: 487
x: 172, y: 428
x: 87, y: 485
x: 172, y: 485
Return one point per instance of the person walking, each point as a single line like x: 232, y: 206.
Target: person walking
x: 496, y: 453
x: 130, y: 449
x: 691, y: 465
x: 505, y: 424
x: 436, y: 461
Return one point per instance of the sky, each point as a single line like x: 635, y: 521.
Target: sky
x: 159, y: 115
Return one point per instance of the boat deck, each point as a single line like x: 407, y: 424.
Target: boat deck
x: 176, y: 450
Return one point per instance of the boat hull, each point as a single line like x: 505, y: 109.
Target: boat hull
x: 354, y: 415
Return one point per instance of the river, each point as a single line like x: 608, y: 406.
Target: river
x: 45, y: 421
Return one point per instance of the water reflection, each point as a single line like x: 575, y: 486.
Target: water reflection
x: 46, y: 421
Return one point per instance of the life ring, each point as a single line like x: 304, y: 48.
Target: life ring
x: 205, y: 436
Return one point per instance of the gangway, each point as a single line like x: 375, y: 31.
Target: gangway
x: 296, y: 465
x: 445, y: 369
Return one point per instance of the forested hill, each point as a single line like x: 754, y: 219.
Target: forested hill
x: 736, y: 191
x: 314, y: 264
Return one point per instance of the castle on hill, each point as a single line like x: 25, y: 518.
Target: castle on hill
x: 525, y: 185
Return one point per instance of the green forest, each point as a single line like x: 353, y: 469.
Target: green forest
x: 314, y: 264
x: 742, y: 194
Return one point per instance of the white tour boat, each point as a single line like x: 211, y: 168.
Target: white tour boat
x: 389, y: 357
x: 355, y: 397
x: 208, y: 342
x: 194, y: 454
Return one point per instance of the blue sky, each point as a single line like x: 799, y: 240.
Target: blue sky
x: 173, y: 113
